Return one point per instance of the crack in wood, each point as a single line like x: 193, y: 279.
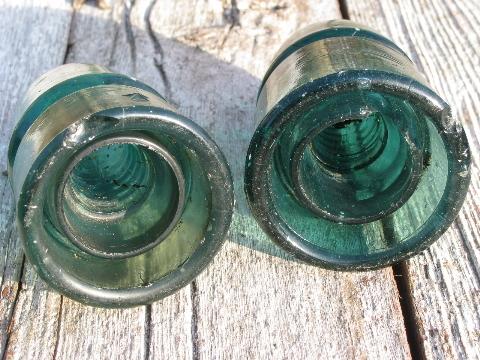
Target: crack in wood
x: 157, y: 47
x: 148, y: 330
x: 469, y: 251
x: 414, y: 337
x: 195, y: 312
x: 5, y: 354
x: 11, y: 220
x: 114, y: 43
x: 3, y: 345
x: 342, y: 5
x: 129, y: 4
x: 232, y: 14
x: 411, y: 47
x: 400, y: 271
x: 196, y: 327
x: 59, y: 325
x: 69, y: 44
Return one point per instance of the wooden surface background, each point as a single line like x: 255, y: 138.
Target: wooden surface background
x: 253, y: 301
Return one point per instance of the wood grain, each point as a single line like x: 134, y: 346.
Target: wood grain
x: 443, y: 38
x: 106, y: 37
x: 254, y: 300
x: 28, y: 312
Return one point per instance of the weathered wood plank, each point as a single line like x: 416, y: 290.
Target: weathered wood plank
x: 443, y: 38
x: 254, y: 301
x: 45, y: 325
x: 33, y: 35
x: 208, y: 57
x: 109, y: 37
x: 87, y: 332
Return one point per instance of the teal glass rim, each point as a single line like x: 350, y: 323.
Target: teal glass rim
x: 180, y: 277
x: 136, y: 139
x: 264, y: 142
x: 263, y: 145
x: 131, y: 113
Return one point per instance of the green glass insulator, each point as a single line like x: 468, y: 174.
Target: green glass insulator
x: 120, y: 199
x: 356, y: 163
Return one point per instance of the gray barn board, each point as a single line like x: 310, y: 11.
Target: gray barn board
x: 254, y: 301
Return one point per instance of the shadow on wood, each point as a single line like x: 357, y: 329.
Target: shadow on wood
x: 246, y: 302
x: 218, y: 96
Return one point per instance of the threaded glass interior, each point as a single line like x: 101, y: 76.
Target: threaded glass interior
x: 111, y: 180
x: 351, y: 144
x: 363, y: 166
x: 358, y: 150
x: 369, y: 238
x: 117, y: 196
x: 335, y: 185
x: 130, y: 218
x: 120, y: 198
